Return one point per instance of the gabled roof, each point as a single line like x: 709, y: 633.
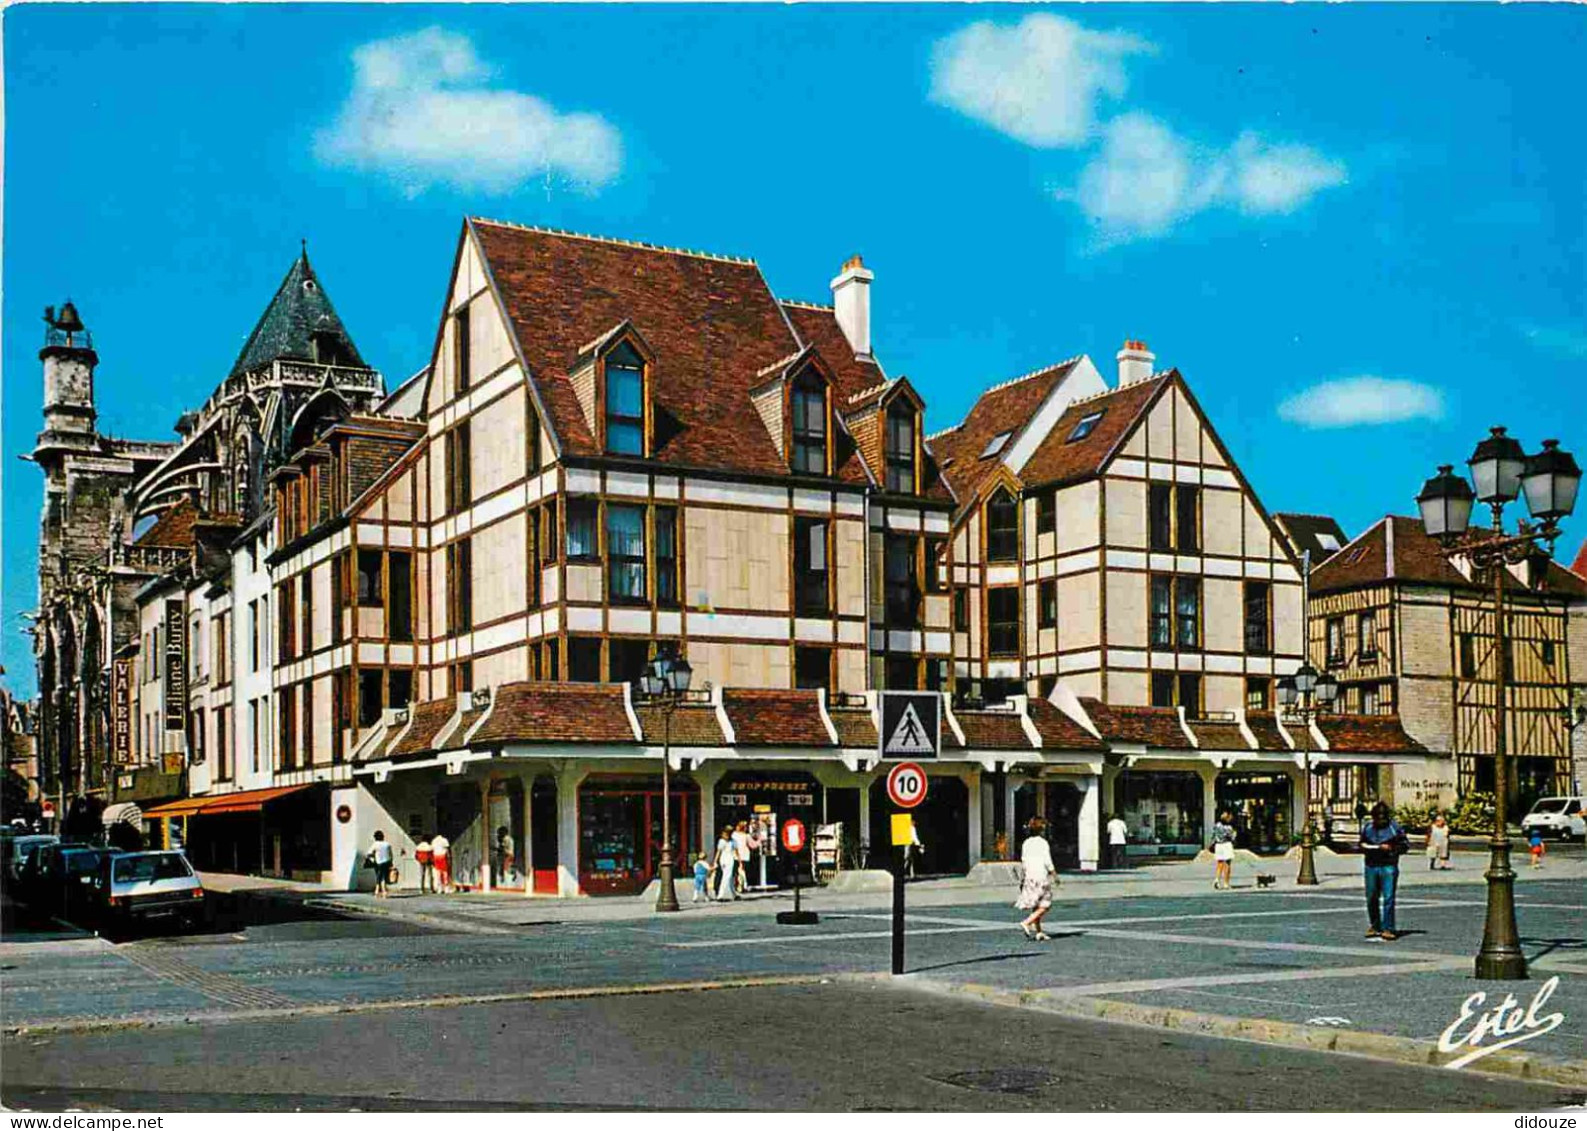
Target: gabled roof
x: 712, y: 321
x: 1007, y: 407
x: 775, y: 717
x: 1396, y: 548
x: 1057, y: 460
x: 1367, y: 734
x: 1315, y: 533
x: 1579, y: 566
x: 1149, y: 726
x: 300, y: 311
x: 174, y: 527
x: 692, y: 725
x: 1058, y: 730
x: 555, y: 712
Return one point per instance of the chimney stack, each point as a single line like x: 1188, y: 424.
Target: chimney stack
x: 1135, y: 363
x: 851, y: 302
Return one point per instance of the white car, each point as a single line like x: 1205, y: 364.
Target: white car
x: 1557, y: 816
x: 19, y: 848
x: 141, y: 886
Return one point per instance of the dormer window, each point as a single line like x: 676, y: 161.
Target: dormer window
x: 809, y: 453
x: 901, y: 450
x: 625, y: 402
x: 1002, y: 528
x: 1084, y: 426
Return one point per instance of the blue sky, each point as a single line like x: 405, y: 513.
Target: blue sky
x: 1359, y: 231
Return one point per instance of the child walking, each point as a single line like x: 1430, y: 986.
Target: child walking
x: 702, y: 876
x: 1535, y: 839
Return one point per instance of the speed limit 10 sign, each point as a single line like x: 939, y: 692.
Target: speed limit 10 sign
x: 906, y: 785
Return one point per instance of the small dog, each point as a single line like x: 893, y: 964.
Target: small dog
x: 1265, y: 881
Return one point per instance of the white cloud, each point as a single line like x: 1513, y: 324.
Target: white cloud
x: 423, y: 111
x: 1146, y: 178
x: 1350, y: 401
x: 1038, y: 81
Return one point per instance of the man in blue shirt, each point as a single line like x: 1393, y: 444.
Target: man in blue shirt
x: 1382, y: 844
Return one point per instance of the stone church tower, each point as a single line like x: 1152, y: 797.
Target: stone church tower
x: 297, y: 371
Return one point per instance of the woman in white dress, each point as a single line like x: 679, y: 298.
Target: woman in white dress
x: 1223, y: 834
x: 726, y: 865
x: 1035, y: 893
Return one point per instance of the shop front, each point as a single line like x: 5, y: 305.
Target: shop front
x: 1058, y: 803
x: 620, y: 831
x: 767, y: 798
x: 942, y: 822
x: 1261, y: 805
x: 1164, y: 811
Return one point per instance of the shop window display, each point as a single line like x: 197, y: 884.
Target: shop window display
x: 1163, y: 811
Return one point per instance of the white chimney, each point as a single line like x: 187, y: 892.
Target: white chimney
x: 1135, y: 363
x: 851, y: 301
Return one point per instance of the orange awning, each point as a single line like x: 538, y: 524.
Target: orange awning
x: 248, y: 801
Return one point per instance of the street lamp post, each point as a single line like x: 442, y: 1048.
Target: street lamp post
x: 665, y: 680
x: 1305, y: 696
x: 1502, y: 472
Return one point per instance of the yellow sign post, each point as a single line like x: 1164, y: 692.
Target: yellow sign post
x: 903, y: 828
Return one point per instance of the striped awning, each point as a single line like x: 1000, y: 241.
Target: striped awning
x: 248, y: 801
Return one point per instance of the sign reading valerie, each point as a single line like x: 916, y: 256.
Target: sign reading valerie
x: 121, y: 712
x: 911, y: 724
x: 175, y: 667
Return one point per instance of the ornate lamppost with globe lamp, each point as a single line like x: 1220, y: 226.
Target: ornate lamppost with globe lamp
x: 1304, y: 696
x: 1502, y: 472
x: 665, y: 681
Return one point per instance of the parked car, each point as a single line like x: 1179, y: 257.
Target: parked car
x: 19, y: 848
x: 1557, y: 816
x: 139, y: 887
x: 59, y: 877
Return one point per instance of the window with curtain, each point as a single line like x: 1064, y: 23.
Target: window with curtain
x: 1336, y: 640
x: 1002, y: 528
x: 809, y: 427
x: 1162, y: 611
x: 369, y: 589
x: 667, y: 556
x: 625, y: 402
x: 1256, y: 694
x: 812, y: 578
x: 582, y: 542
x: 901, y: 450
x: 1047, y: 603
x: 1367, y: 636
x: 625, y: 554
x: 1188, y: 610
x: 1256, y: 617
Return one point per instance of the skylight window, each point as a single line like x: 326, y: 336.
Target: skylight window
x: 1084, y: 426
x: 1327, y: 541
x: 994, y: 445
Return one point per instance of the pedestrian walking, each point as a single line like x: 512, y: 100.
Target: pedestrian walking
x: 740, y: 839
x: 702, y: 877
x: 1118, y: 842
x: 726, y: 866
x: 1223, y: 853
x: 506, y: 855
x: 441, y: 856
x: 1438, y: 844
x: 1036, y: 889
x: 424, y: 856
x: 1534, y: 840
x: 380, y: 859
x: 1383, y: 842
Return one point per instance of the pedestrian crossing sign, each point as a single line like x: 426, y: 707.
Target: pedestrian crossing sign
x: 911, y: 724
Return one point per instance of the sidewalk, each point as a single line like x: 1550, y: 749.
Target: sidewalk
x: 504, y: 912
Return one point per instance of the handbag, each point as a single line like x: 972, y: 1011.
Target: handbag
x: 369, y: 860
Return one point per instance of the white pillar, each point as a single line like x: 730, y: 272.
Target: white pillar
x: 1209, y: 800
x: 865, y: 823
x: 984, y: 803
x: 526, y: 850
x: 1015, y: 835
x: 1090, y: 823
x: 706, y: 778
x: 568, y: 830
x: 486, y: 835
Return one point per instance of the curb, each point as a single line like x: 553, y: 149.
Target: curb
x: 1376, y: 1046
x: 458, y: 924
x: 120, y: 1024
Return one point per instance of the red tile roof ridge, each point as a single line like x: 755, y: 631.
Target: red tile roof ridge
x: 944, y: 431
x: 807, y: 305
x: 1042, y: 372
x: 639, y: 244
x: 1115, y: 391
x: 601, y: 339
x: 872, y: 391
x: 782, y: 362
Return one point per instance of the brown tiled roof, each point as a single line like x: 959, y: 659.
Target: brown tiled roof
x: 1366, y: 734
x: 712, y: 323
x: 465, y: 723
x: 762, y: 717
x: 1212, y: 734
x: 1302, y: 530
x: 1579, y: 566
x: 855, y: 728
x: 691, y: 725
x: 1002, y: 408
x: 1152, y: 726
x: 1416, y: 558
x: 425, y: 722
x: 174, y: 527
x: 556, y: 712
x: 1263, y: 726
x: 993, y: 730
x: 1058, y: 461
x: 1058, y: 731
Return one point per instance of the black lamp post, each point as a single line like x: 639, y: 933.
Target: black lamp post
x: 1502, y: 472
x: 1304, y: 696
x: 665, y: 680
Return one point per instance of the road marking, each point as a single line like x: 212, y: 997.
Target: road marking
x: 1146, y: 985
x: 217, y: 987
